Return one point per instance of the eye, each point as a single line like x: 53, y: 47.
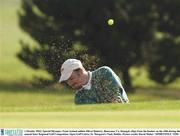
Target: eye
x: 71, y: 79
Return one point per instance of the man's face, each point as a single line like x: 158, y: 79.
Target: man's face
x: 75, y: 80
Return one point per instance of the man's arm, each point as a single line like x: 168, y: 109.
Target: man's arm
x: 82, y: 98
x: 112, y: 87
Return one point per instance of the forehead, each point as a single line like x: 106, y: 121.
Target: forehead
x: 73, y: 75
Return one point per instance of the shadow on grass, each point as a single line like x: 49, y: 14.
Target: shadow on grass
x: 28, y: 87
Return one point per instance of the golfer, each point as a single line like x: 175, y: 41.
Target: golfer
x: 99, y: 86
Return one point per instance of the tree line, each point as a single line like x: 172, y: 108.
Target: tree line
x: 144, y: 33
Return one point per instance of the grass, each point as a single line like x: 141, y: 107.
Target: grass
x: 70, y: 107
x: 24, y: 97
x: 10, y: 35
x: 23, y: 105
x: 91, y: 119
x: 140, y: 79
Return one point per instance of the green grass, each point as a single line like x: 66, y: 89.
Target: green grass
x: 11, y: 69
x: 70, y: 107
x: 23, y: 105
x: 140, y: 79
x: 91, y: 119
x: 24, y: 97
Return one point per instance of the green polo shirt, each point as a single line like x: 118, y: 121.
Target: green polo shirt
x: 105, y: 87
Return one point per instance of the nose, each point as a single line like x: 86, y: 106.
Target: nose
x: 71, y: 83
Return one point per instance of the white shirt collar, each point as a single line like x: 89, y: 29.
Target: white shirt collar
x: 88, y: 85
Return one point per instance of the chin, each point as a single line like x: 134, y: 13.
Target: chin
x: 79, y: 87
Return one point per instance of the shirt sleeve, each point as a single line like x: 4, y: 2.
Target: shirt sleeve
x: 113, y: 90
x: 78, y: 99
x: 82, y: 98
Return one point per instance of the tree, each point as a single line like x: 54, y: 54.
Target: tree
x: 164, y: 63
x: 60, y: 26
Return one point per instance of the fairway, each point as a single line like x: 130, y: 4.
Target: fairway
x: 98, y: 119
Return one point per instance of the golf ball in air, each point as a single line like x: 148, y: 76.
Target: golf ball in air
x: 110, y: 22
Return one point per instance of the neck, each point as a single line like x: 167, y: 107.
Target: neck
x: 86, y: 77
